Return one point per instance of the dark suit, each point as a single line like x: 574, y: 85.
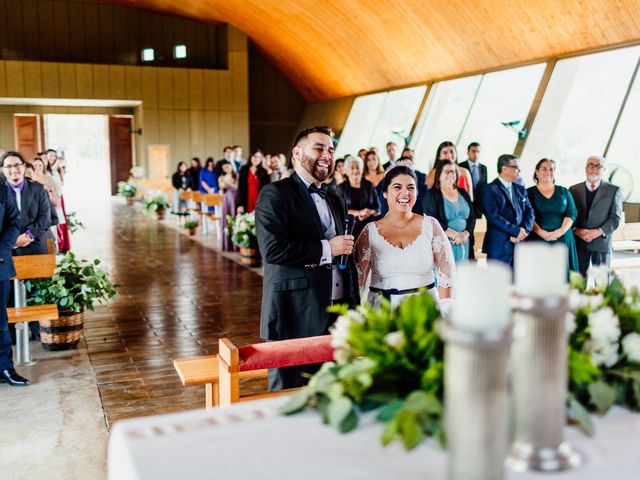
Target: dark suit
x: 296, y: 289
x: 605, y: 213
x: 433, y: 205
x: 35, y: 217
x: 9, y: 231
x: 477, y: 187
x: 504, y: 219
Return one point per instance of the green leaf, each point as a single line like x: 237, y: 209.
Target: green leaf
x: 338, y: 410
x: 387, y: 412
x: 350, y: 422
x: 580, y: 415
x: 297, y: 402
x: 602, y: 395
x: 420, y: 402
x: 411, y: 433
x: 390, y: 432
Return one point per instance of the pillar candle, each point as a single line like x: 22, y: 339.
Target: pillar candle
x: 541, y: 269
x: 481, y: 297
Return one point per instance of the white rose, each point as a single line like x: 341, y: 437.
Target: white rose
x: 631, y: 347
x: 395, y: 340
x: 340, y: 332
x: 604, y: 353
x: 570, y: 322
x: 604, y: 326
x: 599, y: 275
x: 593, y: 301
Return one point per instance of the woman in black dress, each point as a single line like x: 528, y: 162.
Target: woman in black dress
x: 359, y: 194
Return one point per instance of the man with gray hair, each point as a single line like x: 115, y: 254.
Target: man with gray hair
x: 599, y: 207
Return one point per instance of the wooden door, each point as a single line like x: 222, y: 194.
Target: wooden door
x: 158, y: 162
x: 121, y: 149
x: 28, y: 134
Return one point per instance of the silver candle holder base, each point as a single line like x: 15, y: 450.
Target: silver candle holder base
x: 539, y: 386
x: 477, y: 402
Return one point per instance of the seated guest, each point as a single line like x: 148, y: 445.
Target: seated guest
x: 555, y: 210
x: 35, y: 213
x: 447, y: 151
x: 181, y: 182
x: 453, y: 209
x: 251, y: 179
x: 359, y: 195
x: 208, y: 182
x: 509, y: 213
x: 374, y: 173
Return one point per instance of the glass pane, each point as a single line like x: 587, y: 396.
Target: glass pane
x: 578, y: 111
x: 625, y: 147
x: 362, y: 120
x: 442, y: 117
x: 504, y: 97
x: 396, y: 119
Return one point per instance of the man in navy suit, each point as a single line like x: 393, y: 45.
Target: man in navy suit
x: 508, y: 210
x: 9, y: 230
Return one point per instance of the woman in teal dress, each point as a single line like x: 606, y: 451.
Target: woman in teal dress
x: 555, y: 210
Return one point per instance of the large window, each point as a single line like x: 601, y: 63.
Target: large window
x: 503, y: 99
x: 578, y: 112
x: 443, y: 117
x: 624, y: 150
x: 380, y: 118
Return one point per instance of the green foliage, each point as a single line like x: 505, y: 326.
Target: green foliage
x: 158, y: 202
x: 74, y: 286
x: 74, y: 223
x: 127, y: 189
x: 390, y: 360
x: 190, y: 224
x: 242, y: 230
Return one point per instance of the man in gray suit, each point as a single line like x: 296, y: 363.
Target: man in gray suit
x: 599, y: 207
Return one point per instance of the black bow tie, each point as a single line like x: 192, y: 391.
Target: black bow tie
x: 320, y: 191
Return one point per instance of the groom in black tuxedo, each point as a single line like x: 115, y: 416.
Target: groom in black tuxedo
x: 299, y: 226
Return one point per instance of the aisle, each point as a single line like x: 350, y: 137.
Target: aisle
x: 175, y: 299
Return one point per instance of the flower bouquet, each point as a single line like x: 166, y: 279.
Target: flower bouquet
x: 604, y: 349
x: 128, y: 190
x: 242, y: 231
x: 386, y: 359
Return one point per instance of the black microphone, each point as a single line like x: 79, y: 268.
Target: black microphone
x: 349, y: 223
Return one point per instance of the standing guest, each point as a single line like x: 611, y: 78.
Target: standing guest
x: 41, y: 176
x: 453, y: 209
x: 407, y: 153
x: 359, y: 195
x: 478, y: 173
x: 362, y: 153
x: 391, y: 155
x: 237, y: 155
x: 228, y: 183
x: 447, y: 151
x: 331, y: 183
x: 251, y: 179
x: 374, y: 173
x: 181, y: 182
x: 275, y: 168
x: 509, y: 213
x: 208, y: 182
x: 599, y: 207
x: 298, y: 225
x: 64, y: 238
x: 339, y: 172
x: 35, y: 214
x: 194, y: 172
x: 554, y: 210
x: 403, y: 253
x: 9, y: 231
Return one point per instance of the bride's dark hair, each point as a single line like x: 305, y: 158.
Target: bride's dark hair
x: 394, y: 172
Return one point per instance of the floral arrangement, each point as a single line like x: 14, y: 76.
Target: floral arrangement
x: 386, y: 359
x: 190, y: 224
x: 74, y: 223
x: 127, y: 189
x: 157, y: 202
x: 604, y: 349
x: 242, y: 230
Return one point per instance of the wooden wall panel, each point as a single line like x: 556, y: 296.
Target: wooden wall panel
x: 180, y: 88
x: 225, y: 91
x: 118, y: 89
x: 214, y: 136
x: 165, y: 88
x: 50, y: 80
x: 84, y: 80
x: 15, y: 79
x: 101, y: 80
x: 211, y: 90
x: 150, y: 87
x: 332, y: 113
x: 182, y: 137
x: 3, y: 79
x: 196, y: 124
x: 133, y: 79
x: 68, y: 87
x: 32, y: 79
x: 196, y: 91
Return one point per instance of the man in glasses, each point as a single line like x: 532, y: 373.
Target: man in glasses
x: 509, y: 213
x: 599, y: 207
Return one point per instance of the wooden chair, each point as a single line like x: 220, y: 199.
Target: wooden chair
x: 233, y: 361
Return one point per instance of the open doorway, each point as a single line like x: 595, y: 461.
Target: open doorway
x: 83, y: 141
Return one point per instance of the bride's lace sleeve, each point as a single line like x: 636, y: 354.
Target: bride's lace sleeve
x: 444, y: 262
x: 362, y: 255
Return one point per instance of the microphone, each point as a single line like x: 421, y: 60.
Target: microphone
x: 349, y: 223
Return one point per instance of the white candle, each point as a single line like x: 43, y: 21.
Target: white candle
x: 541, y: 269
x: 481, y: 297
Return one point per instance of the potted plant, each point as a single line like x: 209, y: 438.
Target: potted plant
x: 157, y: 204
x: 192, y: 226
x: 242, y: 231
x: 74, y: 223
x: 74, y: 287
x: 128, y: 190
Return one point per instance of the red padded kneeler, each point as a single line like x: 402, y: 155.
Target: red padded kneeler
x: 286, y: 353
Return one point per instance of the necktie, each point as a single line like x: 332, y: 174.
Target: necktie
x: 320, y: 191
x: 18, y: 198
x: 474, y: 175
x: 510, y: 190
x: 592, y: 187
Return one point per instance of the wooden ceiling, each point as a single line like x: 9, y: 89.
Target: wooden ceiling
x: 336, y: 48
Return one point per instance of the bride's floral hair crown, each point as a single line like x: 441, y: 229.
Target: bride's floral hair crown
x: 399, y: 163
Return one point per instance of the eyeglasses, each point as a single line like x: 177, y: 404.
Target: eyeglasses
x: 595, y: 166
x: 14, y: 166
x: 516, y: 167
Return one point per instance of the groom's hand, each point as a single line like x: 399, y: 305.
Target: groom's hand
x: 341, y: 245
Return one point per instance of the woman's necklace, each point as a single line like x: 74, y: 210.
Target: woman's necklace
x: 397, y: 227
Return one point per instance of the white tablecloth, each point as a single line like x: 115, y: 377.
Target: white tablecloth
x: 251, y: 441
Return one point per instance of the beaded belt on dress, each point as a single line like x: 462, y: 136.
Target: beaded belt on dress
x: 386, y: 293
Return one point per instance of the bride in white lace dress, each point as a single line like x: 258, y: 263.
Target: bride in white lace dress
x: 403, y: 252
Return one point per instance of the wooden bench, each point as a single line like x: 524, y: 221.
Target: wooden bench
x: 203, y: 370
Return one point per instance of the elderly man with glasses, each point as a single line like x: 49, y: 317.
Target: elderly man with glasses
x: 509, y: 213
x: 599, y: 207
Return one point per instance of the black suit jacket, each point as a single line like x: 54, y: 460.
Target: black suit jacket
x: 35, y: 216
x: 368, y: 195
x: 9, y: 231
x: 296, y: 289
x: 477, y: 190
x: 433, y: 205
